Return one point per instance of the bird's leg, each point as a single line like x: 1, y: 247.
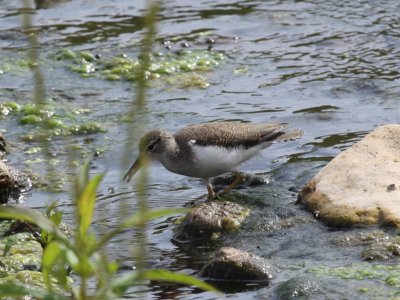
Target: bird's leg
x: 239, y: 178
x: 210, y: 190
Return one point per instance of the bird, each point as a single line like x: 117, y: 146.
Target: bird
x: 209, y: 149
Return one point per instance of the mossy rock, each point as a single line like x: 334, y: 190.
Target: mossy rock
x: 210, y: 219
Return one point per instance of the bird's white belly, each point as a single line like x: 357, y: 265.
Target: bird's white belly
x: 211, y: 161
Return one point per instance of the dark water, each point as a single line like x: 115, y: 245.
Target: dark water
x: 331, y: 68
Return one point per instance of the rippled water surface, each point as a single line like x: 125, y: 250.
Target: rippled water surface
x: 331, y: 68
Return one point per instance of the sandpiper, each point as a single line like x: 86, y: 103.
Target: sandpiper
x: 210, y: 149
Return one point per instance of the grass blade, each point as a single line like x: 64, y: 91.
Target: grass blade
x: 31, y: 216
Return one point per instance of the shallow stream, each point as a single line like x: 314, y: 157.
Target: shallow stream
x: 330, y: 68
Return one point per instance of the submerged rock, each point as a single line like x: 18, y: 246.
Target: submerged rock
x: 382, y: 249
x: 233, y: 264
x: 361, y: 185
x: 248, y: 180
x: 298, y: 287
x: 208, y: 220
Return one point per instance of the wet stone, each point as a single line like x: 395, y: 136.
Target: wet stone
x: 210, y: 219
x: 13, y: 184
x: 382, y: 250
x: 3, y: 145
x: 248, y: 180
x: 360, y: 238
x: 7, y: 183
x: 358, y: 187
x: 19, y: 252
x: 233, y: 264
x: 296, y: 288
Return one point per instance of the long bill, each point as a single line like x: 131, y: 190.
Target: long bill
x: 132, y: 170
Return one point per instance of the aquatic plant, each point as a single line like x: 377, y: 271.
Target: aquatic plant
x: 85, y: 253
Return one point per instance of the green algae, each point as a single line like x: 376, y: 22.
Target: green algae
x: 30, y: 120
x: 48, y: 120
x: 188, y: 81
x: 21, y: 259
x: 87, y: 128
x: 19, y: 251
x: 7, y: 108
x: 384, y: 274
x: 168, y: 67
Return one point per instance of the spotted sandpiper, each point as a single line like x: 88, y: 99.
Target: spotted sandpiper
x: 210, y: 149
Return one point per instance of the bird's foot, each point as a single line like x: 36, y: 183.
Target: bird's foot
x: 239, y: 178
x: 210, y: 191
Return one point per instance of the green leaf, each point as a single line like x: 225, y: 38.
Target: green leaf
x: 138, y: 218
x: 51, y: 253
x: 56, y: 217
x: 18, y: 290
x: 163, y: 275
x: 29, y: 215
x: 120, y: 284
x: 86, y: 203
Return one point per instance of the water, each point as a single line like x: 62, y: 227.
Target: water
x: 330, y: 68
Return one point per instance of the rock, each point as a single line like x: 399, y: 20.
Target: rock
x: 21, y: 260
x: 7, y: 183
x: 208, y: 220
x: 298, y: 288
x: 20, y: 252
x: 3, y: 146
x: 248, y: 180
x: 233, y: 264
x: 382, y: 249
x: 361, y: 186
x: 12, y: 184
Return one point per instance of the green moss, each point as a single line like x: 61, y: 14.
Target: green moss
x: 387, y: 274
x: 113, y: 77
x: 30, y: 119
x: 45, y: 110
x: 9, y: 107
x: 86, y: 55
x: 13, y: 106
x: 54, y: 123
x: 230, y: 224
x: 188, y: 81
x: 166, y: 67
x: 215, y: 236
x: 393, y: 281
x: 88, y: 127
x: 30, y: 109
x: 65, y: 54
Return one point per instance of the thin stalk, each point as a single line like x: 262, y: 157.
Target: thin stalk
x: 139, y: 106
x: 33, y: 53
x: 39, y: 89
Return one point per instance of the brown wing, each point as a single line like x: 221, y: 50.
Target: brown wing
x: 230, y: 134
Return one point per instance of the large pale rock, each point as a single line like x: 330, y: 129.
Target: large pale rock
x: 361, y: 185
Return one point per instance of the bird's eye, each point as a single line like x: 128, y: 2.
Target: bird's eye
x: 151, y: 147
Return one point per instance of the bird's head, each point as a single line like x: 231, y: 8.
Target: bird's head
x: 151, y: 147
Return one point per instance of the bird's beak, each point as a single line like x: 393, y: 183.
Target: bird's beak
x: 132, y: 170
